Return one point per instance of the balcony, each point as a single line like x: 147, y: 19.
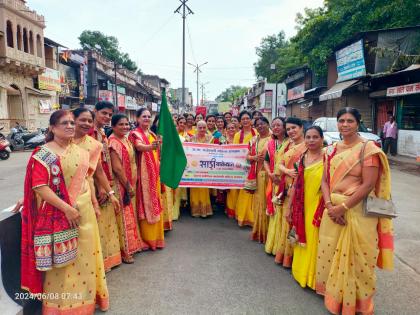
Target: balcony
x: 16, y: 61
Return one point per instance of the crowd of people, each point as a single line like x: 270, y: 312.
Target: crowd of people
x: 92, y: 202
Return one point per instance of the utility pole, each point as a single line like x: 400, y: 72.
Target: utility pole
x: 202, y: 91
x: 197, y: 70
x: 115, y: 87
x: 185, y: 11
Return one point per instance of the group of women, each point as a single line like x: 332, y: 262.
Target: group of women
x: 304, y: 201
x: 92, y: 202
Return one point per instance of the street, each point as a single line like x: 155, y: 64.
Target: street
x: 210, y: 266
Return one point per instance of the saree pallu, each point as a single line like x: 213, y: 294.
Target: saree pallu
x: 243, y: 206
x: 347, y: 255
x: 128, y: 228
x: 81, y: 284
x: 180, y: 196
x: 304, y: 257
x: 107, y: 222
x: 149, y: 193
x: 275, y: 221
x: 284, y: 254
x: 168, y: 207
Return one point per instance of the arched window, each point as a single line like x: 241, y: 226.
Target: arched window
x: 9, y: 34
x: 38, y: 46
x: 19, y: 38
x: 25, y: 40
x: 31, y: 43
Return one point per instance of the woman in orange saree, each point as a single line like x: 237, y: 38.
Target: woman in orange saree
x: 107, y: 223
x: 288, y: 170
x: 243, y: 207
x: 257, y: 152
x: 149, y: 198
x: 123, y: 159
x: 350, y: 243
x: 61, y: 251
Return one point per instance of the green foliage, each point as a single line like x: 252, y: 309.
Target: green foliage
x: 231, y: 93
x: 109, y: 47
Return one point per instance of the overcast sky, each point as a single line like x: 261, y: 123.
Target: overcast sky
x: 222, y: 32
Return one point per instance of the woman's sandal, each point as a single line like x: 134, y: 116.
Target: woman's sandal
x: 128, y: 260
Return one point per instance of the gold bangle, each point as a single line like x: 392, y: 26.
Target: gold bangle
x: 345, y: 206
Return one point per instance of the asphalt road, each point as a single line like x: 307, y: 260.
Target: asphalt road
x: 211, y: 267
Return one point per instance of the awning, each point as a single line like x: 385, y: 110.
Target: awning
x: 337, y: 90
x: 36, y: 92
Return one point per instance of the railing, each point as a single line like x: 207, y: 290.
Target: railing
x: 23, y: 9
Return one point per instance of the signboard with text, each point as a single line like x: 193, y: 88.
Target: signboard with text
x: 296, y: 92
x: 403, y: 89
x: 215, y: 166
x: 49, y: 80
x: 350, y: 62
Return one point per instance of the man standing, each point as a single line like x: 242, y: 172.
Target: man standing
x: 390, y: 132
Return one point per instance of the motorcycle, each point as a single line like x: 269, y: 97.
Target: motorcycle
x: 4, y: 147
x: 21, y: 139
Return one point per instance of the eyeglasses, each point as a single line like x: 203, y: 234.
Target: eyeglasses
x: 66, y: 123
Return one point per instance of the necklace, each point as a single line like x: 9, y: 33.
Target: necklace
x: 310, y: 160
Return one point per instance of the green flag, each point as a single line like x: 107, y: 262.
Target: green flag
x: 173, y: 160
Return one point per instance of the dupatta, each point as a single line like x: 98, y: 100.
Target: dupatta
x: 272, y: 147
x: 100, y: 136
x: 337, y: 169
x: 148, y: 201
x: 48, y: 241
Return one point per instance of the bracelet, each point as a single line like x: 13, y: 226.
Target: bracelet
x: 110, y: 193
x: 345, y: 206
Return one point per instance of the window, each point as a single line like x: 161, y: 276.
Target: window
x: 408, y: 116
x: 38, y: 46
x: 31, y: 43
x: 9, y: 34
x: 19, y: 38
x: 25, y: 41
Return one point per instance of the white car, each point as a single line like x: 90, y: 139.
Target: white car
x: 331, y: 134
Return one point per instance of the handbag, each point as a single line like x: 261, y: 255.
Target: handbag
x: 374, y: 206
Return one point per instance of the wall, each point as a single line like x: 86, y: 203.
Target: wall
x: 409, y: 142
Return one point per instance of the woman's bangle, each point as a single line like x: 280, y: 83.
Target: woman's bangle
x: 345, y: 206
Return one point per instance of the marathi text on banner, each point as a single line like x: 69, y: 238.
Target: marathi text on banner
x: 215, y: 166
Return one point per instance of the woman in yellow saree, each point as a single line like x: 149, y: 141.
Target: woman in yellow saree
x: 275, y: 151
x: 149, y: 198
x: 232, y: 194
x: 257, y: 152
x: 304, y: 202
x: 58, y: 191
x: 288, y: 171
x: 350, y: 243
x: 125, y: 170
x: 200, y: 197
x: 243, y: 207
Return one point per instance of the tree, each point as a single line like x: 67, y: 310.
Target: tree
x: 109, y: 47
x: 231, y: 93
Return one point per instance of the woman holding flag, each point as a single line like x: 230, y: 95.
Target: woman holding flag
x: 149, y: 201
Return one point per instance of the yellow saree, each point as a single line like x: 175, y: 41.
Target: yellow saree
x: 347, y: 255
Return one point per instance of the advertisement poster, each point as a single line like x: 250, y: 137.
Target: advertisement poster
x: 49, y: 80
x: 215, y: 166
x: 350, y: 62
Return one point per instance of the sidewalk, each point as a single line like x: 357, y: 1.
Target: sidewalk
x: 402, y: 160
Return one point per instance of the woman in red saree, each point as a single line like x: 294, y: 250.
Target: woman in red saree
x: 287, y: 169
x: 61, y: 251
x: 124, y: 167
x: 350, y: 243
x: 149, y: 198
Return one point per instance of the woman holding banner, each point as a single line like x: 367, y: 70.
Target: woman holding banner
x: 149, y: 202
x: 275, y: 151
x: 288, y: 171
x: 200, y: 197
x: 243, y: 208
x: 232, y: 194
x: 257, y: 173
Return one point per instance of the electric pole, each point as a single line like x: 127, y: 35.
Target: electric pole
x: 197, y: 70
x: 185, y: 11
x: 202, y: 91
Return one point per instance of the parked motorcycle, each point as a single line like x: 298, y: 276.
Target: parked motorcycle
x: 21, y: 139
x: 4, y: 147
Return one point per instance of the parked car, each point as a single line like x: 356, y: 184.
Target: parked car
x: 331, y: 134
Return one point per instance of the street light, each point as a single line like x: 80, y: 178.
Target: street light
x: 197, y: 69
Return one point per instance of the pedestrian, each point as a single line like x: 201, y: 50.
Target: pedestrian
x: 61, y: 256
x: 288, y: 169
x: 200, y: 197
x: 257, y: 152
x: 106, y: 190
x: 149, y: 194
x: 107, y: 223
x: 243, y: 208
x: 390, y: 134
x: 305, y: 200
x: 275, y: 151
x: 351, y: 244
x: 232, y: 194
x: 123, y: 159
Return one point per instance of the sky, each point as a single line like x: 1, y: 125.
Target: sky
x: 223, y: 33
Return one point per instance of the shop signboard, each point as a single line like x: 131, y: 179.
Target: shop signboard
x: 121, y: 102
x: 201, y: 110
x: 130, y: 103
x: 105, y: 95
x: 407, y: 89
x: 296, y: 92
x: 350, y: 62
x: 49, y: 80
x: 44, y: 106
x: 268, y: 99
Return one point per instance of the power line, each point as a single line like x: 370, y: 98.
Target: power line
x: 190, y: 41
x: 158, y: 30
